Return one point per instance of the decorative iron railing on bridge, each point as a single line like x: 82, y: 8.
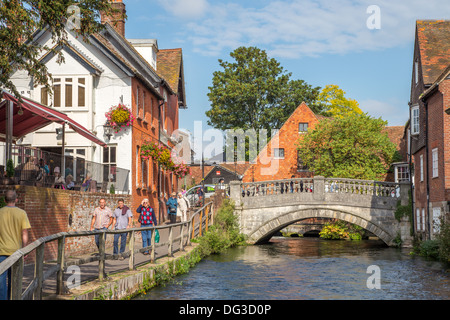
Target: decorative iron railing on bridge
x: 307, y: 185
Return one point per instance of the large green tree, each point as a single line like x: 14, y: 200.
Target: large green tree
x: 255, y: 92
x: 20, y: 19
x: 353, y: 147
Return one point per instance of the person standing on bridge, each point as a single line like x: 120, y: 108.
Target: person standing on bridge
x: 14, y: 225
x: 147, y: 218
x: 122, y: 219
x: 101, y: 219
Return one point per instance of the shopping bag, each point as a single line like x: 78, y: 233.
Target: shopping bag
x: 156, y: 236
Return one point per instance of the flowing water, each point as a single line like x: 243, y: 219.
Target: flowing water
x: 310, y: 268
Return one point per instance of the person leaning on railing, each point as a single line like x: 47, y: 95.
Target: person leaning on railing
x: 14, y: 225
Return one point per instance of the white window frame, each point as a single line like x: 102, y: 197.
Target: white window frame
x: 418, y: 224
x: 405, y: 174
x: 416, y: 71
x: 415, y: 120
x: 423, y: 219
x: 421, y: 167
x: 435, y: 162
x: 75, y: 84
x: 303, y: 124
x: 436, y: 220
x: 276, y: 153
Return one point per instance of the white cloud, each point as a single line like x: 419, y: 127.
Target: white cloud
x: 295, y: 28
x: 186, y: 9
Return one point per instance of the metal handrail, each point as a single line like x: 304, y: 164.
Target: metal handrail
x: 34, y: 289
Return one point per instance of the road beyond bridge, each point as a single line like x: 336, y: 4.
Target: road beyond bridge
x: 266, y: 207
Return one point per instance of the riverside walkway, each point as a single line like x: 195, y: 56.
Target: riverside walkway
x: 53, y: 280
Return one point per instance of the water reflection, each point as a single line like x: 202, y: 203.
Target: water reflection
x: 309, y: 268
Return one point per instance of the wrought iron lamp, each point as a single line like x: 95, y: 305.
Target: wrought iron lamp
x: 108, y: 130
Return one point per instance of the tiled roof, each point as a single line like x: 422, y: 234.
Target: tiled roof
x: 169, y: 66
x: 433, y: 37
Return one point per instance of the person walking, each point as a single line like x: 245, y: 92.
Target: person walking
x: 101, y: 219
x: 172, y: 205
x: 147, y: 218
x: 14, y: 226
x: 122, y: 219
x: 182, y: 207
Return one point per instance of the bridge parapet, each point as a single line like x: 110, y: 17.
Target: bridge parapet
x: 316, y: 187
x: 266, y: 206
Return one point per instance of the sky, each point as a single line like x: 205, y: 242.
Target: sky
x: 363, y: 46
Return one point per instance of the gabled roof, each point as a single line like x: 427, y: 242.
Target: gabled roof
x: 445, y: 75
x: 434, y: 44
x: 170, y: 67
x: 76, y: 54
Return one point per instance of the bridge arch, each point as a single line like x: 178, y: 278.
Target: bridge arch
x: 266, y: 230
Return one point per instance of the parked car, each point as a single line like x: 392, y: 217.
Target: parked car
x: 193, y: 194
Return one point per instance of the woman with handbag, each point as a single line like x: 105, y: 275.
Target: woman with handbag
x: 172, y: 205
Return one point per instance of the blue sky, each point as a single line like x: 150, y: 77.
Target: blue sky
x: 320, y: 41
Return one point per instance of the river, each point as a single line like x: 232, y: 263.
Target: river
x: 310, y: 268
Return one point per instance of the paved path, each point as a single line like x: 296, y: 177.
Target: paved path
x: 89, y: 271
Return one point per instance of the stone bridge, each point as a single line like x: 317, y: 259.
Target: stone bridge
x: 266, y: 207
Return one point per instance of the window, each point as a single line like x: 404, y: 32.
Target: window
x: 137, y: 168
x: 138, y: 106
x: 44, y: 96
x: 151, y: 110
x: 436, y: 220
x: 143, y: 106
x: 415, y: 127
x: 109, y: 163
x: 68, y: 92
x: 423, y: 219
x: 278, y: 153
x: 421, y: 167
x: 435, y: 163
x: 401, y: 173
x: 144, y: 173
x: 416, y: 71
x: 303, y: 127
x: 418, y: 219
x: 300, y: 165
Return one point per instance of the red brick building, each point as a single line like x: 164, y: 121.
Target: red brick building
x: 430, y: 124
x: 155, y: 107
x: 279, y: 158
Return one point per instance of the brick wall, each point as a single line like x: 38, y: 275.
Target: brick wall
x: 49, y: 210
x: 267, y: 167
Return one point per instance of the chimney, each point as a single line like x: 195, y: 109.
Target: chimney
x: 116, y: 19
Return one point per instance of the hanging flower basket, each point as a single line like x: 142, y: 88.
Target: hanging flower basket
x: 120, y: 117
x: 163, y: 156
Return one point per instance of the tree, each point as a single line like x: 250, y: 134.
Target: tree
x: 353, y: 147
x: 336, y: 104
x: 255, y: 92
x: 20, y: 19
